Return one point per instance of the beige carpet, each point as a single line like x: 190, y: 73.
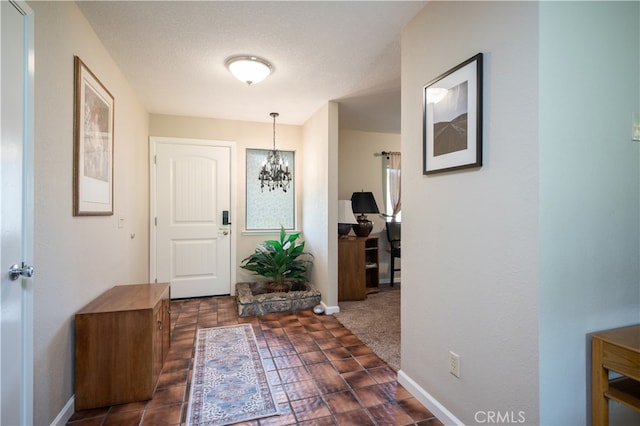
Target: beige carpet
x: 376, y: 321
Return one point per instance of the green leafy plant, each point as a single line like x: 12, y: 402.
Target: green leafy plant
x: 280, y: 261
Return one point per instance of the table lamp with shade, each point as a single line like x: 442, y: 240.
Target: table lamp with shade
x: 345, y: 218
x: 362, y: 203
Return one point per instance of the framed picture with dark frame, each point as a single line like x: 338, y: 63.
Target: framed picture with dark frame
x: 93, y: 145
x: 452, y: 119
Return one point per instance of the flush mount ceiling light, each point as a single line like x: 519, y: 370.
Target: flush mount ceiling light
x: 249, y: 69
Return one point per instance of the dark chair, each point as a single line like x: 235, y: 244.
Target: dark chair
x: 393, y: 235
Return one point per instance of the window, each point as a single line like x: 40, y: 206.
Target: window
x: 268, y: 210
x: 392, y: 177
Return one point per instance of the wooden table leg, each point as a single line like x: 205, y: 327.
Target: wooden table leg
x: 599, y: 385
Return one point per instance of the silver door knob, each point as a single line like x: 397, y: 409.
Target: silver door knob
x: 16, y: 271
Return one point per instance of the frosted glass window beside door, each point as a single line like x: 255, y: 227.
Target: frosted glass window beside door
x: 267, y: 210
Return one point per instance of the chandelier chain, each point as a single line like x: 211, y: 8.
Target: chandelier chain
x: 274, y: 129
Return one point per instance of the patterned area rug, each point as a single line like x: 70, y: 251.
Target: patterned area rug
x: 229, y: 383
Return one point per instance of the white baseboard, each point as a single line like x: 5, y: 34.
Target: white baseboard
x: 430, y: 403
x: 330, y: 310
x: 65, y: 414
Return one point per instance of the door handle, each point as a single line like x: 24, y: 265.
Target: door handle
x: 16, y: 271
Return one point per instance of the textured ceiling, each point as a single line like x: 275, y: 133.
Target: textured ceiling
x: 173, y: 54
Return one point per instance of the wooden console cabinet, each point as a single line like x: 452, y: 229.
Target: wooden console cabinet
x: 357, y: 267
x: 616, y: 350
x: 121, y: 341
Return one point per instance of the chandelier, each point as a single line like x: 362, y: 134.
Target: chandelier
x: 275, y: 170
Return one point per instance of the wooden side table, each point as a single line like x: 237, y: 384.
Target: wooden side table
x: 615, y: 350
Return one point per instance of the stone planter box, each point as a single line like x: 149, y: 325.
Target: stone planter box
x: 252, y: 299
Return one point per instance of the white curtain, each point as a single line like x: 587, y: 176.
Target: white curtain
x: 394, y: 181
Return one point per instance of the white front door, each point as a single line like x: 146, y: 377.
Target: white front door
x: 192, y: 237
x: 16, y: 210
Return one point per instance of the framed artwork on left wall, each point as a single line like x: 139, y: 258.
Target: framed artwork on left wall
x: 93, y: 145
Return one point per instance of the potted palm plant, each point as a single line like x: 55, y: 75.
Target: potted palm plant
x: 282, y: 261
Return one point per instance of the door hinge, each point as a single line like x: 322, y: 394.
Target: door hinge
x: 155, y: 221
x: 155, y: 159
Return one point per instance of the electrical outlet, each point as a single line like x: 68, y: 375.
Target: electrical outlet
x: 454, y: 364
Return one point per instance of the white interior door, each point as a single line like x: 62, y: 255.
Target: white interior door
x: 192, y: 192
x: 16, y: 106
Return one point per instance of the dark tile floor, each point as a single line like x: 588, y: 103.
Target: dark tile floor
x: 321, y: 372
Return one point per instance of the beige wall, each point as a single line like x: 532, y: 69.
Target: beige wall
x: 470, y: 238
x: 359, y: 169
x: 77, y: 258
x: 589, y: 224
x: 320, y: 203
x: 471, y: 277
x: 244, y: 134
x: 513, y: 264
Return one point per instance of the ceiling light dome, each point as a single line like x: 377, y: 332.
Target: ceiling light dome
x: 249, y: 69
